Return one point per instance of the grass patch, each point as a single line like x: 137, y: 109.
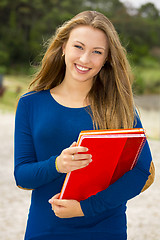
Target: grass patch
x: 147, y: 81
x: 147, y: 76
x: 15, y: 86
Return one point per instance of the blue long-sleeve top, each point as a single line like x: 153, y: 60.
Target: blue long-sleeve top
x: 43, y: 128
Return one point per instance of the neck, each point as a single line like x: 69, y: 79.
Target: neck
x: 77, y: 90
x: 72, y: 94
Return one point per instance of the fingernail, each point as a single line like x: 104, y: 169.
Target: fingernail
x: 87, y: 149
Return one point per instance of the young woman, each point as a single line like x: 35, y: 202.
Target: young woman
x: 84, y: 83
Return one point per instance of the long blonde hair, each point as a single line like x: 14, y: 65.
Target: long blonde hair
x: 110, y: 98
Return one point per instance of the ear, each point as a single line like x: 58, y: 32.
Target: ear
x: 64, y: 47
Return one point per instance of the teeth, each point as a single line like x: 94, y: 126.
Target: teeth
x: 82, y: 68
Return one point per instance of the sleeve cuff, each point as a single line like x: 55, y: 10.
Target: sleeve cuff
x: 52, y: 164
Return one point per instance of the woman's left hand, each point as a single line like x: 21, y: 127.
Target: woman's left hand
x: 65, y: 208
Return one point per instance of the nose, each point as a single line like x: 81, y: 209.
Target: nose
x: 85, y: 58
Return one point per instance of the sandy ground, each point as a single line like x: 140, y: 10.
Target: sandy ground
x: 143, y: 211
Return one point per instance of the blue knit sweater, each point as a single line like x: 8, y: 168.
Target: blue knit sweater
x: 43, y: 128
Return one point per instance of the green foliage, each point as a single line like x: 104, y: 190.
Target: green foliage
x: 26, y: 25
x: 3, y: 70
x: 139, y: 83
x: 148, y: 10
x: 147, y: 77
x: 15, y: 86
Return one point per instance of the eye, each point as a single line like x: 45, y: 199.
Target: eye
x: 78, y: 46
x: 97, y: 52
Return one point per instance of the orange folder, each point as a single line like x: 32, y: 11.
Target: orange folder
x: 114, y: 152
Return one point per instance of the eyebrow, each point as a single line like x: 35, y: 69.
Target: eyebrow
x: 93, y: 48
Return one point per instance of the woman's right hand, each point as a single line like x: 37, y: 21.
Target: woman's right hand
x: 73, y: 158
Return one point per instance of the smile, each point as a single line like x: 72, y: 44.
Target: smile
x: 81, y: 68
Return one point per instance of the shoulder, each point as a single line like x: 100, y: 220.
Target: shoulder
x: 31, y: 99
x: 33, y: 95
x: 137, y: 120
x: 27, y: 94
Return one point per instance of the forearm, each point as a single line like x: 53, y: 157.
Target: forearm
x: 118, y: 193
x: 30, y: 172
x: 36, y: 174
x: 127, y: 187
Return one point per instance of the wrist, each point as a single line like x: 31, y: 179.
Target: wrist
x: 81, y: 214
x: 56, y: 165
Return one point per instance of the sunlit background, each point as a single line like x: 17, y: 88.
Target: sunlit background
x: 25, y: 26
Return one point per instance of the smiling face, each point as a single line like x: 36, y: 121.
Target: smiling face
x: 85, y: 53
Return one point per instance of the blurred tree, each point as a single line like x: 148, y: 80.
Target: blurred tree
x: 26, y: 24
x: 109, y: 7
x: 148, y: 10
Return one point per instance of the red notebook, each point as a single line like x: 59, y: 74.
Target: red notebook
x: 114, y: 152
